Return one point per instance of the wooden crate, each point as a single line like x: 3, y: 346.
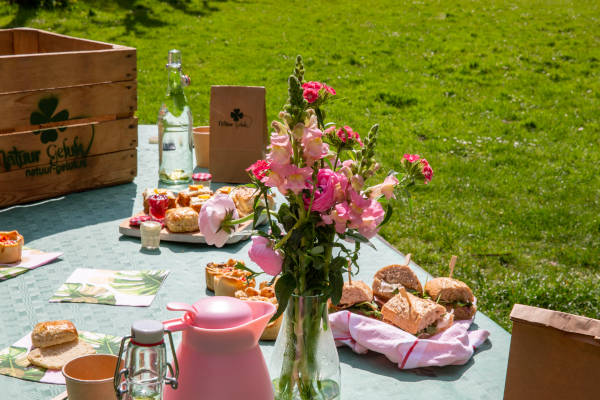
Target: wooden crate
x: 67, y: 108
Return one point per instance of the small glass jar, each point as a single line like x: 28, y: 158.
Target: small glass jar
x: 202, y: 178
x: 158, y: 205
x: 150, y: 233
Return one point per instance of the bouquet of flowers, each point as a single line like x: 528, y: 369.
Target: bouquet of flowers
x: 316, y: 234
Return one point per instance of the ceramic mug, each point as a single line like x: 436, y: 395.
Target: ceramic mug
x: 201, y: 145
x: 91, y: 377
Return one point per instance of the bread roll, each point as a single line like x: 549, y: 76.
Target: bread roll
x: 181, y: 219
x: 55, y: 357
x: 50, y: 333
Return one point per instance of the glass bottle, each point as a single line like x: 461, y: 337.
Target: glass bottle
x: 175, y: 125
x: 145, y: 363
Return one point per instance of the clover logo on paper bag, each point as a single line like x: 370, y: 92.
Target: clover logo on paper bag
x: 236, y: 114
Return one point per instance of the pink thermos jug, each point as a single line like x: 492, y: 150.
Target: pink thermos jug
x: 219, y: 357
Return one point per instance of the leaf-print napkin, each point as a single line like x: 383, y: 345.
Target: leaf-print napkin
x: 13, y: 359
x: 117, y: 288
x: 30, y: 259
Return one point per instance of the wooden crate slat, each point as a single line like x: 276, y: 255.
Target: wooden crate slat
x: 56, y: 70
x: 6, y: 42
x: 119, y: 98
x: 55, y: 42
x: 25, y: 41
x: 25, y: 150
x: 101, y: 170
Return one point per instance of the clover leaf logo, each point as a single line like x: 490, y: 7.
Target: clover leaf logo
x: 236, y: 114
x: 44, y: 115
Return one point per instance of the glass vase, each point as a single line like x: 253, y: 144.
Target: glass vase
x: 305, y: 363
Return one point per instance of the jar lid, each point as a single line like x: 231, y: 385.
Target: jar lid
x: 202, y: 176
x: 147, y: 331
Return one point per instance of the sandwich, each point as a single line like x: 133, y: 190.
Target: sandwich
x: 389, y: 280
x: 357, y: 297
x: 417, y: 316
x: 453, y: 294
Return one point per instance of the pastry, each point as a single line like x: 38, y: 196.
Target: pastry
x: 225, y: 189
x: 184, y: 198
x: 244, y: 196
x: 264, y: 293
x: 196, y: 202
x: 11, y: 247
x: 228, y: 283
x: 51, y: 333
x: 214, y: 269
x: 55, y: 357
x: 181, y: 219
x: 149, y: 192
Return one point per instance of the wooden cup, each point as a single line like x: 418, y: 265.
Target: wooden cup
x: 91, y: 377
x: 201, y: 145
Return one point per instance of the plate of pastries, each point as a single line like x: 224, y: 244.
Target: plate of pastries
x: 398, y: 298
x: 225, y: 279
x: 180, y: 223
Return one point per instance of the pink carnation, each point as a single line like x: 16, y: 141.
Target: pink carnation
x: 412, y: 157
x: 310, y: 95
x: 264, y: 256
x: 427, y: 171
x: 330, y: 90
x: 347, y: 135
x: 259, y: 169
x: 312, y: 85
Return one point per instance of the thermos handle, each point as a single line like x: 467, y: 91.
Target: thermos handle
x: 176, y: 324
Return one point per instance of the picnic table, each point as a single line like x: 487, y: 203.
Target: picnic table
x: 84, y: 226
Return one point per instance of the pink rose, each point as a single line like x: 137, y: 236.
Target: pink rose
x: 310, y: 95
x: 211, y: 218
x: 427, y: 171
x: 259, y: 169
x: 264, y: 256
x: 331, y: 187
x: 313, y: 146
x: 281, y: 149
x: 411, y: 157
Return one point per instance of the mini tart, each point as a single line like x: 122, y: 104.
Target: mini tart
x: 214, y: 269
x: 185, y: 198
x: 225, y: 190
x: 267, y: 294
x: 243, y: 197
x: 230, y: 282
x: 11, y: 247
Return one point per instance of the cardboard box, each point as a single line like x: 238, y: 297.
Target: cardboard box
x: 238, y: 131
x: 553, y: 355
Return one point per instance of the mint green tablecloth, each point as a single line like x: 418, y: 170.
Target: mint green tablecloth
x: 85, y: 227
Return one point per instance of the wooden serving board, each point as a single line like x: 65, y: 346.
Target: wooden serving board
x: 243, y: 232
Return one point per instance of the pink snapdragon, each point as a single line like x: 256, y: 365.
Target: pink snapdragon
x: 259, y: 169
x: 313, y: 146
x: 281, y: 149
x: 384, y: 189
x: 289, y: 177
x: 365, y: 214
x: 263, y: 254
x: 212, y: 219
x: 331, y: 188
x: 340, y: 215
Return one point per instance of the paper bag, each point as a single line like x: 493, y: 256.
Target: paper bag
x: 553, y: 355
x: 238, y: 131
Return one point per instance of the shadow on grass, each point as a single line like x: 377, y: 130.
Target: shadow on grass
x: 138, y: 15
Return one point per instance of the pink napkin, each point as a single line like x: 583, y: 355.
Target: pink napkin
x: 454, y: 346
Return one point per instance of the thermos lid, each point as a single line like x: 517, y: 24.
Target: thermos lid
x: 147, y: 331
x: 220, y: 312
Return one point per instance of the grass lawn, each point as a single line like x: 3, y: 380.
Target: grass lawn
x: 502, y: 98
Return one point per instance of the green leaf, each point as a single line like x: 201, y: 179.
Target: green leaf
x: 283, y: 290
x: 388, y: 214
x: 317, y: 250
x: 360, y: 238
x: 336, y: 280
